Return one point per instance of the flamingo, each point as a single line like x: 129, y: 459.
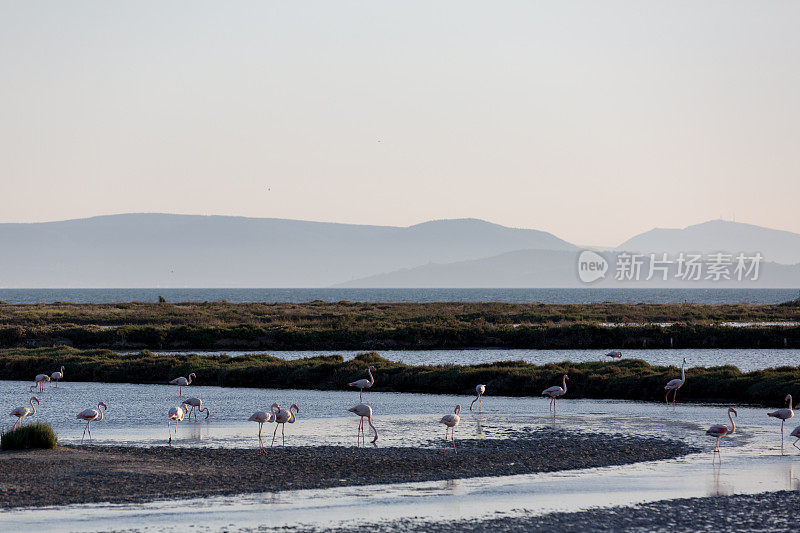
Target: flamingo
x: 555, y: 392
x: 197, y: 406
x: 22, y: 412
x: 182, y: 382
x: 451, y: 421
x: 675, y: 384
x: 90, y: 415
x: 796, y: 433
x: 784, y: 414
x: 364, y: 383
x: 176, y: 414
x: 281, y: 417
x: 614, y: 354
x: 364, y: 410
x: 261, y: 417
x: 57, y: 375
x: 480, y: 389
x: 38, y: 381
x: 720, y: 430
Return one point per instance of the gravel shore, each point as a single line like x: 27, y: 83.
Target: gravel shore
x: 770, y: 511
x: 116, y: 474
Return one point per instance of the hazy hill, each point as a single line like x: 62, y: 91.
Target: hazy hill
x: 553, y: 268
x: 720, y: 235
x: 161, y: 250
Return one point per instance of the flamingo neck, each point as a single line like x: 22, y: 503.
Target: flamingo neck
x: 33, y: 407
x: 790, y: 401
x: 683, y: 374
x: 371, y: 378
x: 369, y: 420
x: 564, y: 381
x: 733, y: 424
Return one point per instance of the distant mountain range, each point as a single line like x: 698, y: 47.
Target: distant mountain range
x: 163, y: 250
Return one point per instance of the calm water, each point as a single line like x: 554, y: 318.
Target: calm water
x: 711, y: 296
x: 745, y: 359
x: 752, y: 457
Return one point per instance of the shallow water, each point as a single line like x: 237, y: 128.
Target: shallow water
x: 745, y: 359
x: 752, y: 460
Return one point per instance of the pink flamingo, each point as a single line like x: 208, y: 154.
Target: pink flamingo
x: 480, y: 389
x: 182, y: 382
x: 57, y: 376
x: 675, y: 384
x: 261, y: 417
x: 364, y: 383
x: 22, y: 412
x: 451, y: 421
x: 784, y: 415
x: 556, y: 392
x: 38, y: 381
x: 196, y: 405
x: 281, y: 417
x: 364, y: 410
x: 90, y: 415
x: 176, y: 414
x: 796, y: 433
x: 720, y: 430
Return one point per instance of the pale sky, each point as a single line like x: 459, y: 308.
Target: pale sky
x: 592, y: 120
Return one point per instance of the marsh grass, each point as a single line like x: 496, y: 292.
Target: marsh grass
x: 630, y: 379
x: 29, y: 436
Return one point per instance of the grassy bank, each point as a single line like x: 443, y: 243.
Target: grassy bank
x: 625, y: 379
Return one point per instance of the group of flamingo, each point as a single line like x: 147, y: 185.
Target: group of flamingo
x: 87, y: 415
x: 282, y: 416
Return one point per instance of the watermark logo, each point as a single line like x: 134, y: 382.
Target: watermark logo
x: 591, y: 266
x: 663, y: 267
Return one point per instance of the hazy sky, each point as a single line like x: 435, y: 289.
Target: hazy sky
x: 592, y: 120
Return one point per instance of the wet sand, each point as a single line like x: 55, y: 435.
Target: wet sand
x: 770, y: 511
x: 95, y: 474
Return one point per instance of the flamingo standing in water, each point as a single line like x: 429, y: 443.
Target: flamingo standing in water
x: 38, y: 381
x: 784, y: 414
x: 364, y: 383
x: 796, y: 433
x: 451, y: 421
x: 720, y: 430
x: 58, y: 375
x: 90, y: 415
x: 282, y: 417
x: 614, y: 354
x: 22, y: 412
x: 480, y: 389
x: 261, y: 417
x: 196, y: 405
x: 364, y: 410
x: 675, y: 384
x: 176, y: 414
x: 182, y: 382
x: 555, y: 392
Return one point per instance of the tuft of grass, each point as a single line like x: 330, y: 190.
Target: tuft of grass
x: 28, y: 436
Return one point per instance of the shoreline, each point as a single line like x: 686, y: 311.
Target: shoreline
x: 115, y: 474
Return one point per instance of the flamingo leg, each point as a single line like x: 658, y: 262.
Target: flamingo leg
x: 480, y: 402
x: 445, y: 439
x: 273, y: 435
x: 674, y: 398
x: 453, y: 438
x: 361, y: 395
x: 260, y: 442
x: 17, y: 423
x: 782, y: 421
x: 89, y: 428
x: 283, y: 434
x: 169, y: 431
